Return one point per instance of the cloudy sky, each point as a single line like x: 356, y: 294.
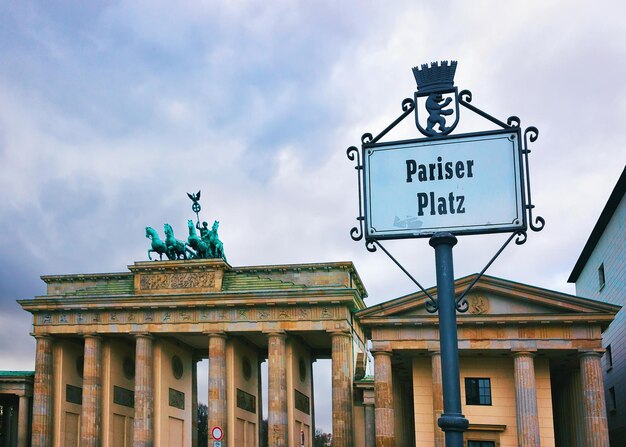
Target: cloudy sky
x: 111, y: 111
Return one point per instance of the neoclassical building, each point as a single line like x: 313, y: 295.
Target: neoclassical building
x: 529, y: 362
x: 116, y: 359
x: 116, y: 353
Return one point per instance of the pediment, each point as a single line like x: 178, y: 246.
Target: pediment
x: 493, y: 297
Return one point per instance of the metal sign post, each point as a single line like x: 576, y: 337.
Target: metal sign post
x: 440, y: 187
x: 452, y: 421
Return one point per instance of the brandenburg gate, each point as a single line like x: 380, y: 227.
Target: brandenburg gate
x: 116, y: 353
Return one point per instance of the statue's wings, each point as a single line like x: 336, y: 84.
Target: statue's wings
x: 194, y: 197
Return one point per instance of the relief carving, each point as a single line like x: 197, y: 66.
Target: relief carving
x: 189, y: 280
x: 478, y: 304
x: 155, y: 281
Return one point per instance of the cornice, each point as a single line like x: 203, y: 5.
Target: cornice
x: 212, y: 299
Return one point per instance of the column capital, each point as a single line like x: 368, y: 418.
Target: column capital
x: 341, y: 332
x: 276, y: 333
x: 43, y: 336
x: 434, y: 352
x: 92, y: 335
x: 523, y: 353
x: 378, y: 352
x: 590, y: 353
x: 142, y: 335
x: 216, y: 334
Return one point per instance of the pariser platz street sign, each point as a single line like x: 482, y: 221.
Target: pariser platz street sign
x: 466, y: 184
x: 439, y: 187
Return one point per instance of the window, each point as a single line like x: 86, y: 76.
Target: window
x: 477, y: 391
x: 601, y: 276
x: 612, y: 402
x: 481, y: 444
x: 609, y: 358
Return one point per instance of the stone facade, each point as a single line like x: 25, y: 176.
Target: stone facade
x: 116, y: 353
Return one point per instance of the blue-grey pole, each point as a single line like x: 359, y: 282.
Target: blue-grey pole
x: 452, y: 421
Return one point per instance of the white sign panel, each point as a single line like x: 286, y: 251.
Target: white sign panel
x: 469, y: 184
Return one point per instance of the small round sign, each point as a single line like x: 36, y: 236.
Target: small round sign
x: 217, y: 433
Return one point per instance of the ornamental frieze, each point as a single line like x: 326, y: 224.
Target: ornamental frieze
x: 191, y: 315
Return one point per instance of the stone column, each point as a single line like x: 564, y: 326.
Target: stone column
x: 194, y: 402
x: 22, y: 427
x: 594, y: 407
x: 218, y: 416
x: 143, y: 425
x: 435, y: 362
x: 342, y: 389
x: 278, y: 433
x: 526, y: 400
x: 42, y: 394
x: 91, y: 413
x: 383, y: 389
x: 370, y: 424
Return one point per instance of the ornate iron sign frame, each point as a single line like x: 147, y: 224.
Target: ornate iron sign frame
x: 528, y: 135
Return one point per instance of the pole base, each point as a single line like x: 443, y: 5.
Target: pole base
x: 453, y: 422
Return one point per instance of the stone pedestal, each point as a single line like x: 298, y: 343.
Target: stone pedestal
x: 217, y: 386
x: 143, y: 424
x: 342, y: 389
x: 383, y: 389
x: 594, y: 406
x: 526, y: 400
x: 22, y: 422
x: 435, y: 359
x: 277, y: 396
x: 91, y: 414
x: 42, y: 395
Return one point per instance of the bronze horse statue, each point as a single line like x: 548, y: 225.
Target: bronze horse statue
x: 158, y: 246
x: 176, y: 248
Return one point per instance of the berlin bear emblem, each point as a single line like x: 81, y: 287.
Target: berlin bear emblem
x: 436, y: 91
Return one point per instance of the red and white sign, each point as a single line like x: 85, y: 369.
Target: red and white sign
x: 217, y: 433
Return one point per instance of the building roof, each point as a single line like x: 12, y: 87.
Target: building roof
x: 605, y: 217
x: 526, y: 303
x: 16, y: 373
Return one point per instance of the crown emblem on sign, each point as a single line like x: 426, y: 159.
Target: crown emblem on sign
x: 436, y: 77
